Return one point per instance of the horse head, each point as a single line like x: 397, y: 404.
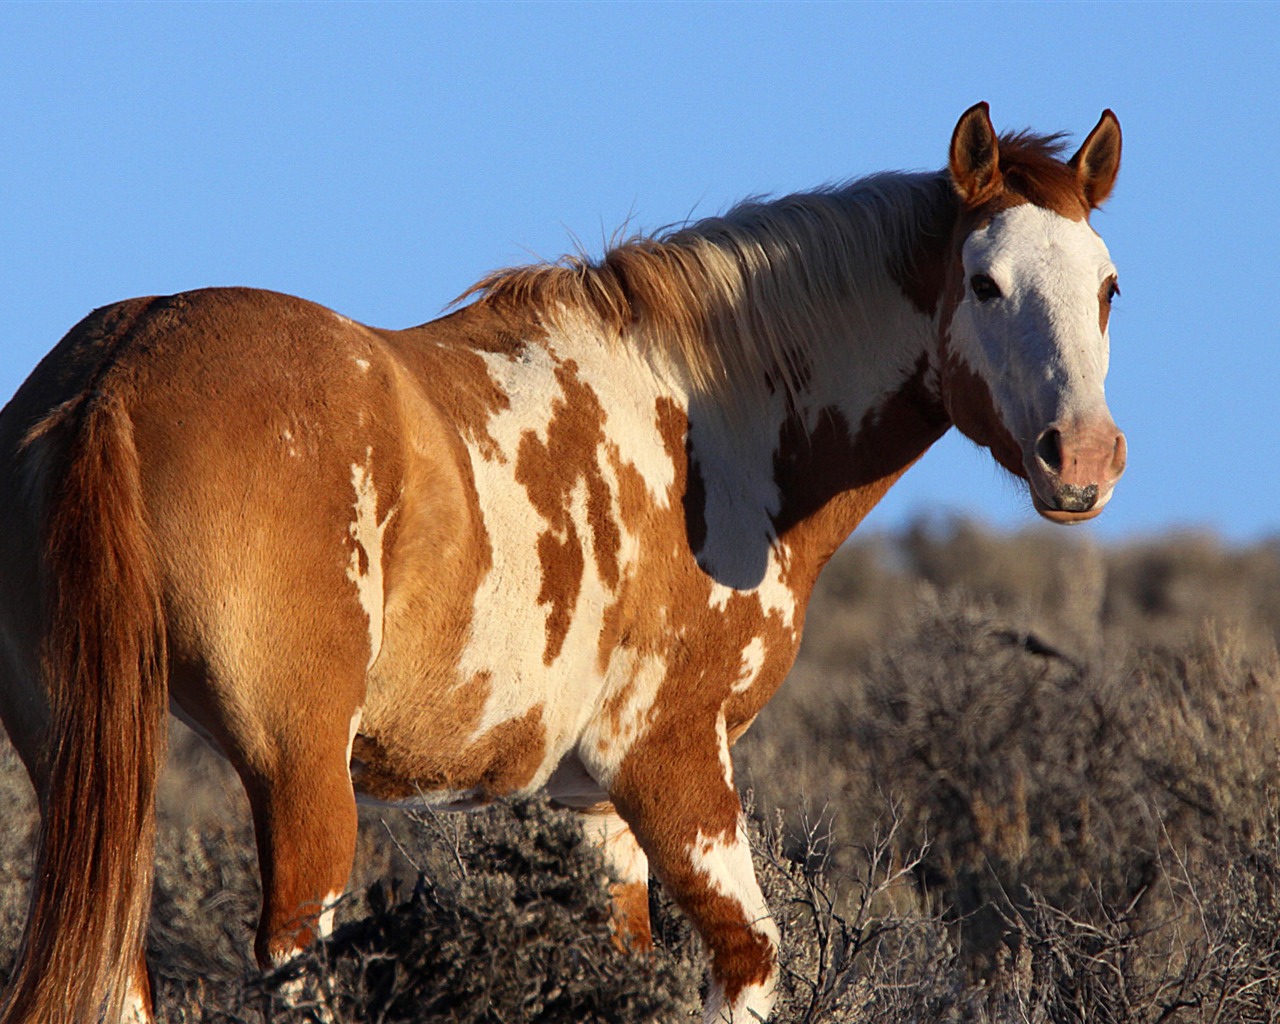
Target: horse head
x: 1024, y: 340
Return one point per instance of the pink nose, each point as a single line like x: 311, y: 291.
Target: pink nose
x: 1080, y: 463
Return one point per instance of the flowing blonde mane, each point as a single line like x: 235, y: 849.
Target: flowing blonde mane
x: 740, y: 299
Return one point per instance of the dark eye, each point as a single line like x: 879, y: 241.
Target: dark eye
x: 984, y: 289
x: 1111, y: 289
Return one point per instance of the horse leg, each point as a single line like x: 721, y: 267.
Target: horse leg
x: 628, y: 869
x: 304, y: 815
x: 675, y: 789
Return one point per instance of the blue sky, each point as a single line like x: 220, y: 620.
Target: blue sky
x: 380, y: 158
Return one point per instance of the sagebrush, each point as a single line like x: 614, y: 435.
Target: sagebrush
x: 1012, y: 779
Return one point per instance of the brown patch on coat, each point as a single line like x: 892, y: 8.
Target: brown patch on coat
x: 830, y: 477
x: 973, y: 409
x: 501, y: 761
x: 550, y: 471
x: 445, y: 356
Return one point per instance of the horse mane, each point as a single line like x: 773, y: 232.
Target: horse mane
x: 738, y: 300
x: 1032, y: 167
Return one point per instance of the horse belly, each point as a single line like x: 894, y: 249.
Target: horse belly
x: 489, y: 725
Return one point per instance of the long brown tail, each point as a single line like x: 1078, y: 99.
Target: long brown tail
x: 104, y: 665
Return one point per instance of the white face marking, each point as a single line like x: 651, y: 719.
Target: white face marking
x: 1038, y: 345
x: 366, y: 531
x: 363, y: 364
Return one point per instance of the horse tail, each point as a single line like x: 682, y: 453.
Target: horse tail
x: 104, y: 664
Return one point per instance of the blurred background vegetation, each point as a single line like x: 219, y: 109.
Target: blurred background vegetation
x: 1013, y: 778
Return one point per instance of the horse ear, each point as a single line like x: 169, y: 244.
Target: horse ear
x: 1098, y: 161
x: 975, y: 155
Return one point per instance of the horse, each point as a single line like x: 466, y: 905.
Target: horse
x: 561, y: 539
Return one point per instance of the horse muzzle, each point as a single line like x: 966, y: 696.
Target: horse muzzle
x: 1073, y: 467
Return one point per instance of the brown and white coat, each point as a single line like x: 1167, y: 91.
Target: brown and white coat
x: 561, y: 539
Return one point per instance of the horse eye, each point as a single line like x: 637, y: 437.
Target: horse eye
x: 1113, y: 289
x: 984, y: 289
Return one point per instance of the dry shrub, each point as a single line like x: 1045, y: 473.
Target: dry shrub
x: 509, y: 925
x: 501, y: 919
x: 17, y: 833
x: 1044, y: 776
x: 1160, y: 590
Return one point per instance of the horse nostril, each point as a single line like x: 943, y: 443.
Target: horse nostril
x: 1119, y: 456
x: 1049, y: 450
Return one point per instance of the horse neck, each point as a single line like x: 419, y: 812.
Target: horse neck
x: 798, y: 469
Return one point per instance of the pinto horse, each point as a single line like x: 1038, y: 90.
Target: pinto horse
x: 561, y: 539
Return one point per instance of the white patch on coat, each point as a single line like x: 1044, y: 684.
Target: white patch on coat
x: 726, y: 759
x: 363, y: 364
x: 726, y: 864
x: 324, y: 921
x: 353, y: 729
x: 623, y: 859
x: 752, y: 663
x: 367, y: 533
x: 734, y: 461
x: 509, y: 627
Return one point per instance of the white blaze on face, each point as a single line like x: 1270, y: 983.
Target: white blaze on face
x: 1039, y: 344
x: 367, y: 533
